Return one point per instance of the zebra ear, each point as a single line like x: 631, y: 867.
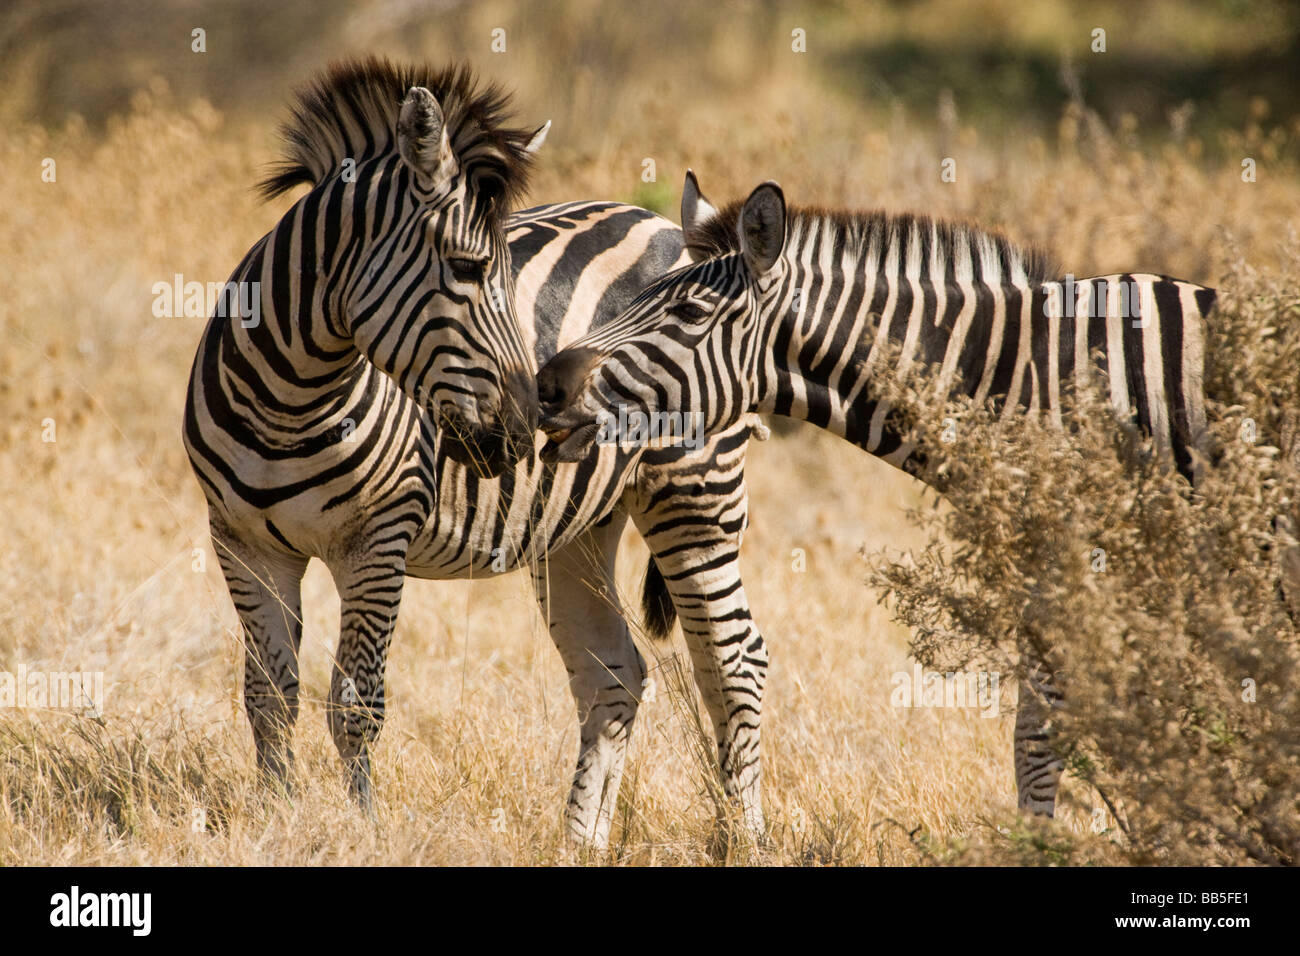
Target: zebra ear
x: 696, y: 210
x: 762, y: 228
x: 538, y: 138
x: 422, y: 136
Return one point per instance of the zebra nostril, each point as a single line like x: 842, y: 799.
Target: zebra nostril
x: 561, y: 379
x: 550, y: 393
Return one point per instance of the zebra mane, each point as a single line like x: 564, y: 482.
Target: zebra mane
x: 350, y: 111
x: 947, y: 241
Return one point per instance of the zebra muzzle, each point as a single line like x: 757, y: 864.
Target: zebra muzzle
x: 470, y: 443
x: 568, y: 444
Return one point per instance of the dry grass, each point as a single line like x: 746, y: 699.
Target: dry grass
x: 476, y: 756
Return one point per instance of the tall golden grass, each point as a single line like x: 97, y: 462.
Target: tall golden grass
x: 104, y: 534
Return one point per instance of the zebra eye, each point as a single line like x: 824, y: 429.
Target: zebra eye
x: 467, y: 270
x: 688, y: 310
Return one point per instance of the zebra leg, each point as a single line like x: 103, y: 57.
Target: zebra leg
x: 370, y: 594
x: 693, y: 521
x: 266, y: 590
x: 575, y: 587
x: 1038, y: 768
x: 730, y: 661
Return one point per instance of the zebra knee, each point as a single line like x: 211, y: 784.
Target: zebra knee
x: 608, y: 688
x: 611, y: 714
x: 756, y: 658
x: 271, y: 713
x: 356, y: 713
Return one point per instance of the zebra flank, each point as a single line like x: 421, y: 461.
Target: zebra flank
x: 990, y: 319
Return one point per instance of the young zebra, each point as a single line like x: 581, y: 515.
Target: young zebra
x: 358, y: 418
x: 785, y: 312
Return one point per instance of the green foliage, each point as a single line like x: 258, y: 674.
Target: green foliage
x: 657, y: 197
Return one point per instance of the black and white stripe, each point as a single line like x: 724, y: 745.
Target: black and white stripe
x: 787, y: 312
x: 360, y: 422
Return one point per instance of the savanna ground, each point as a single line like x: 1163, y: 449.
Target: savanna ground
x: 1125, y: 160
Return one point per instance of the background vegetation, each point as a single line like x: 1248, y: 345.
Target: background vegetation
x: 1129, y: 159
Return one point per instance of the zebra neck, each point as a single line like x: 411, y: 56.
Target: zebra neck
x: 287, y: 365
x: 832, y: 332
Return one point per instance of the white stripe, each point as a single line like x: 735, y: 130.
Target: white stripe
x: 995, y: 344
x: 1082, y: 318
x: 1115, y: 364
x: 938, y: 274
x: 1193, y: 363
x: 1153, y: 363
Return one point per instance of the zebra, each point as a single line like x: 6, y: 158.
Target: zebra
x: 785, y: 311
x: 402, y: 317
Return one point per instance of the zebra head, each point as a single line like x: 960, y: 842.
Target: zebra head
x: 422, y: 285
x: 685, y: 353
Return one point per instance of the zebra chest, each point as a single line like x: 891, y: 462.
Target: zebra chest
x: 334, y: 500
x: 480, y: 527
x: 477, y: 526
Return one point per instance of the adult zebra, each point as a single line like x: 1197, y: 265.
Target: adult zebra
x: 786, y: 311
x: 357, y: 420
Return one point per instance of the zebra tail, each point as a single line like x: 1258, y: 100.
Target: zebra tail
x: 656, y: 604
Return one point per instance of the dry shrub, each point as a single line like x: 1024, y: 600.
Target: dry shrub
x: 1158, y: 611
